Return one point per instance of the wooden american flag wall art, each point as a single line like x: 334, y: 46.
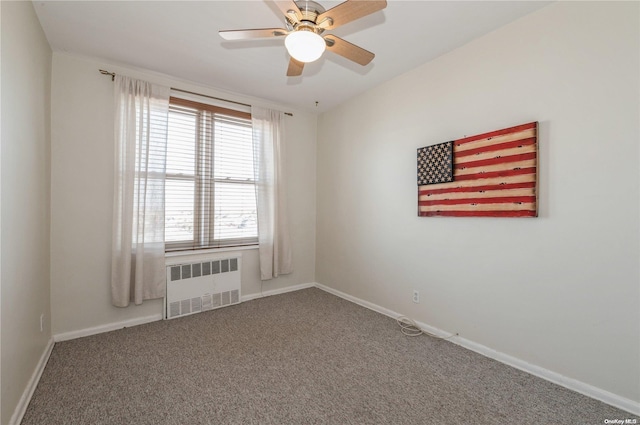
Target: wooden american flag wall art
x: 489, y: 175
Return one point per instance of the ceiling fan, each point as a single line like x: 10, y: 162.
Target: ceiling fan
x: 305, y: 22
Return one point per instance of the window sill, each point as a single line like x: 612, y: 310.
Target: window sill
x: 178, y: 257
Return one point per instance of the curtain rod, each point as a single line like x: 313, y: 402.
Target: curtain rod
x: 113, y: 76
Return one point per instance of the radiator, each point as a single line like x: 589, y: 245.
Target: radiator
x: 202, y: 285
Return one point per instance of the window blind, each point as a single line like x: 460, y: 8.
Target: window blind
x: 210, y: 188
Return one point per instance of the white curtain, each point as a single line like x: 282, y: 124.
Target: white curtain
x: 273, y: 230
x: 138, y: 267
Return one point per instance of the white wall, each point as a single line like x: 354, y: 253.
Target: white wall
x: 82, y: 192
x: 26, y: 78
x: 560, y: 291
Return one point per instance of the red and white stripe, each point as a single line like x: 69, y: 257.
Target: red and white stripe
x: 494, y: 175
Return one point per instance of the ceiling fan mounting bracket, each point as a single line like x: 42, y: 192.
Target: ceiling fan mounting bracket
x: 325, y: 23
x: 292, y: 17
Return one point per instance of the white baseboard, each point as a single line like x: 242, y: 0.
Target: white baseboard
x: 21, y: 408
x: 65, y: 336
x: 359, y: 301
x: 549, y: 375
x: 277, y: 291
x: 569, y: 383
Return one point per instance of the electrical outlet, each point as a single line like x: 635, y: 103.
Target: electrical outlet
x: 416, y: 296
x: 42, y: 322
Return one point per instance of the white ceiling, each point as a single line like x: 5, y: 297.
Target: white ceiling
x: 180, y: 39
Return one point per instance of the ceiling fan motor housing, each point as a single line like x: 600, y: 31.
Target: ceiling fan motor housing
x: 310, y: 10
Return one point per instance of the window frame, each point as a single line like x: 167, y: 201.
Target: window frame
x: 201, y: 193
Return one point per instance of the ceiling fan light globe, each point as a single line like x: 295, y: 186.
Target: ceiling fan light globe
x: 305, y: 46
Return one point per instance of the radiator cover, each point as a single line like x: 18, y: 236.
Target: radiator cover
x: 204, y: 285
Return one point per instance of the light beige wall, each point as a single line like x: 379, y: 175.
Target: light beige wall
x: 560, y: 291
x: 25, y: 195
x: 82, y: 192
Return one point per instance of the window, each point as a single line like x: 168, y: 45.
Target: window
x: 210, y: 189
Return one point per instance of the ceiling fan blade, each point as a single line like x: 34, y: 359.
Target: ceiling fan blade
x: 348, y: 50
x: 286, y: 6
x: 295, y: 68
x: 254, y: 33
x: 349, y: 11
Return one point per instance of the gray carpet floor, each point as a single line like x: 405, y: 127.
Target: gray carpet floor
x: 305, y: 357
